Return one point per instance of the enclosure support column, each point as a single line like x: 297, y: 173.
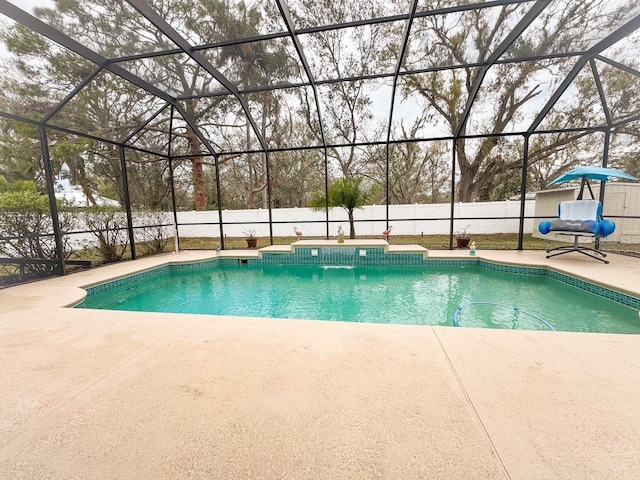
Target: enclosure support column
x: 127, y: 201
x: 219, y: 199
x: 605, y: 162
x: 173, y: 206
x: 386, y: 182
x: 607, y: 132
x: 326, y: 190
x: 523, y: 190
x: 453, y: 191
x: 194, y: 127
x: 53, y: 206
x: 172, y: 185
x: 268, y: 169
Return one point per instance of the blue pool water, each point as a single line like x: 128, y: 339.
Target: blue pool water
x: 380, y: 294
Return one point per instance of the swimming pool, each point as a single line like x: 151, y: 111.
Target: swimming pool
x: 471, y: 294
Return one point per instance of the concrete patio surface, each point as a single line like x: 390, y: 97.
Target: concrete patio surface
x: 91, y: 394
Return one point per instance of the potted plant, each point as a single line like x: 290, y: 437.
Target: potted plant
x: 463, y: 237
x: 252, y: 241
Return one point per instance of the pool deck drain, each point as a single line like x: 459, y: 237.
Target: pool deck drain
x: 100, y: 394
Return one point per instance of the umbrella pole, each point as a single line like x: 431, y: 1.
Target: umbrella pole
x: 584, y: 180
x: 584, y: 183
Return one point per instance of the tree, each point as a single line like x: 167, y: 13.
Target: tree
x: 348, y: 106
x: 110, y: 106
x: 439, y: 40
x: 419, y: 172
x: 346, y: 193
x: 626, y: 152
x: 42, y: 74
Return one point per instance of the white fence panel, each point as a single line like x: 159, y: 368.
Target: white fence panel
x: 369, y: 220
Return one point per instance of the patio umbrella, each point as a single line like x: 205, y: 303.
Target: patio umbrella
x: 591, y: 173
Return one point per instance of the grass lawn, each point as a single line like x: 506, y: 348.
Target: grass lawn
x: 434, y: 242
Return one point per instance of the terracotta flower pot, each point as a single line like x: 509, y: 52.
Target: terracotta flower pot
x: 252, y: 242
x: 463, y: 242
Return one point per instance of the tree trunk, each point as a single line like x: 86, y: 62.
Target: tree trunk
x: 352, y: 227
x: 198, y: 184
x: 88, y: 193
x: 198, y: 173
x: 467, y: 174
x: 466, y: 186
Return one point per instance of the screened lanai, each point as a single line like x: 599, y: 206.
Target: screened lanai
x: 134, y: 127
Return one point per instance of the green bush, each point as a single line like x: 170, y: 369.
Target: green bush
x: 26, y: 228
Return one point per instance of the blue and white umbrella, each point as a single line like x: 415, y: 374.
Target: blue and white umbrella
x: 592, y: 173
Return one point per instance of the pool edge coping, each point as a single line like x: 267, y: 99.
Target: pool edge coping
x: 606, y: 290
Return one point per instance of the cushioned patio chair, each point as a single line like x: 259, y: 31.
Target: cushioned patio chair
x: 579, y: 218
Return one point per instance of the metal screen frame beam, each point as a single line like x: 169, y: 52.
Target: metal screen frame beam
x: 127, y: 200
x: 324, y: 28
x: 144, y: 124
x: 286, y: 16
x: 622, y: 123
x: 453, y: 190
x: 31, y: 121
x: 69, y: 43
x: 53, y: 204
x: 618, y: 65
x: 161, y: 24
x: 523, y: 190
x: 85, y: 81
x: 216, y: 157
x: 176, y: 247
x: 19, y: 118
x: 424, y: 139
x: 376, y: 76
x: 533, y: 13
x: 267, y: 164
x: 100, y: 139
x: 603, y: 98
x: 403, y: 50
x: 606, y: 42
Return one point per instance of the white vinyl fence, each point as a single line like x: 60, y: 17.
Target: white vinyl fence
x: 434, y: 219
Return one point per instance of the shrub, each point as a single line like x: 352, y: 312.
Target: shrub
x: 26, y: 228
x: 109, y: 227
x: 155, y: 234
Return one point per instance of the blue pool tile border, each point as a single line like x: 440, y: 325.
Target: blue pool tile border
x: 125, y: 280
x: 514, y: 269
x: 599, y: 290
x: 374, y: 256
x: 174, y: 267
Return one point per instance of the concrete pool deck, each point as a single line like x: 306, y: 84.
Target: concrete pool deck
x: 102, y: 394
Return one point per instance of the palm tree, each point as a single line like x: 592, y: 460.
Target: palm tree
x: 346, y: 193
